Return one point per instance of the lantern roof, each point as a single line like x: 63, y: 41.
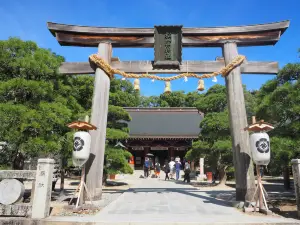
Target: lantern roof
x: 259, y: 126
x: 81, y: 125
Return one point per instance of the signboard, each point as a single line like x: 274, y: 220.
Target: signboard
x: 140, y: 148
x: 159, y: 148
x: 167, y: 47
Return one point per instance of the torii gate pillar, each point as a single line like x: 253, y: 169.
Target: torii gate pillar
x: 94, y: 167
x: 244, y: 175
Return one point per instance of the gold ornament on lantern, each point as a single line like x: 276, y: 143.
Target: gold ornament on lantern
x: 168, y: 87
x: 136, y: 84
x: 200, y: 85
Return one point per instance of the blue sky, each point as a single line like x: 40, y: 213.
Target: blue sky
x: 27, y: 20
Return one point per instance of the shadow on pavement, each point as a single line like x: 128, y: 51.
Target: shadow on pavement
x: 194, y: 192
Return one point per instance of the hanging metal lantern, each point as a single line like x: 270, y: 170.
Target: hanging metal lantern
x: 81, y: 148
x: 260, y: 148
x: 200, y: 85
x: 136, y: 84
x: 168, y: 87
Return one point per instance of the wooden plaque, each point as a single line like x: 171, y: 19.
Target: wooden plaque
x: 167, y: 47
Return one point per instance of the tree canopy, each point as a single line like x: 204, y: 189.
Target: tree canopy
x: 34, y: 111
x: 36, y: 103
x: 278, y: 102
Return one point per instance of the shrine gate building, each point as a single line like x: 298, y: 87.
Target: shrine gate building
x: 163, y: 132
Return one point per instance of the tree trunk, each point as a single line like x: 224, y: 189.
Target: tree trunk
x: 222, y: 175
x: 62, y: 181
x: 286, y: 178
x: 18, y: 163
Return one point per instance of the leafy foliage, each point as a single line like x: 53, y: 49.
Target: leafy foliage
x: 37, y: 103
x: 173, y: 99
x: 278, y: 102
x: 214, y: 141
x: 33, y: 112
x: 117, y: 159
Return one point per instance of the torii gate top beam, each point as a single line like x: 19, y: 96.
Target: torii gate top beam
x: 87, y: 36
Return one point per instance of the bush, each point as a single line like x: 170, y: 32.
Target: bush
x: 117, y: 161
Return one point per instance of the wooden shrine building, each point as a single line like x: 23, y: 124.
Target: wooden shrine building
x: 163, y: 132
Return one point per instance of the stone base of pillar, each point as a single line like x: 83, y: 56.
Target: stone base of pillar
x: 201, y: 177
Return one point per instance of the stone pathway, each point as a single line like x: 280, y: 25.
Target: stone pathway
x: 152, y: 201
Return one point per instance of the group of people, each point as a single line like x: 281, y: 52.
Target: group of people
x: 171, y: 168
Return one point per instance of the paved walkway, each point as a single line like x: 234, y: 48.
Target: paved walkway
x: 152, y: 201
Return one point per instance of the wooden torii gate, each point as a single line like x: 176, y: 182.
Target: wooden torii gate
x: 228, y: 38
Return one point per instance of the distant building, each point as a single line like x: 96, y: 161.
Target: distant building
x: 163, y: 132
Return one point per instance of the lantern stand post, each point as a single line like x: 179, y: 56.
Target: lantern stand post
x: 262, y: 194
x: 81, y: 126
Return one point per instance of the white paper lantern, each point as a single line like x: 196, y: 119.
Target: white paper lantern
x: 260, y: 148
x: 81, y: 148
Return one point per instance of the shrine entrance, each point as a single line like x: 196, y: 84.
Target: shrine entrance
x: 162, y: 132
x: 168, y: 42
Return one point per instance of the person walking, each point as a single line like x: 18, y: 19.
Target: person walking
x: 177, y: 169
x: 157, y: 169
x: 167, y: 170
x: 146, y: 167
x: 172, y: 167
x: 187, y: 171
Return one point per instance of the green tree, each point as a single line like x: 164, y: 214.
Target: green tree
x: 283, y: 150
x: 214, y: 142
x: 192, y: 98
x: 34, y: 111
x: 151, y: 101
x: 117, y: 160
x: 173, y: 99
x: 278, y: 103
x: 37, y: 103
x: 121, y: 95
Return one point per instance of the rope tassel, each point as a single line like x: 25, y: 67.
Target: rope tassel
x: 200, y: 85
x: 168, y: 87
x: 136, y: 84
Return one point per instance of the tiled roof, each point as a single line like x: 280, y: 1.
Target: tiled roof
x: 159, y: 123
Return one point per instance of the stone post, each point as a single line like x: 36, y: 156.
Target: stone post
x: 43, y: 185
x: 201, y: 163
x: 201, y: 176
x: 296, y: 175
